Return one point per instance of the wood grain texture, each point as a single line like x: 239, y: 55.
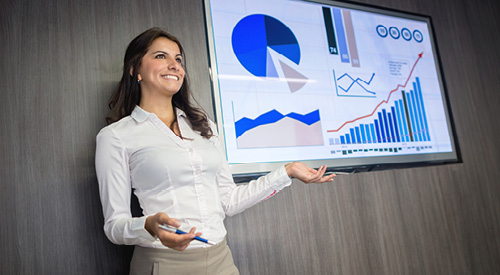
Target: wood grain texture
x: 60, y: 61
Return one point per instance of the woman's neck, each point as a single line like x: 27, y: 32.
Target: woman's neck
x: 163, y: 109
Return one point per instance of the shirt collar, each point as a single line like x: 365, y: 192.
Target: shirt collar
x: 140, y: 115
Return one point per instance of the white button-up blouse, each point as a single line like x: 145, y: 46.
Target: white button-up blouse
x: 188, y: 178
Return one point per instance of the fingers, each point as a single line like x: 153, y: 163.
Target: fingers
x: 177, y: 241
x: 308, y: 175
x: 327, y: 178
x: 315, y: 175
x: 320, y: 176
x: 167, y: 238
x: 163, y: 218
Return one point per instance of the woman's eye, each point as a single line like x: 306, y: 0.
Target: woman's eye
x: 179, y: 60
x: 160, y: 56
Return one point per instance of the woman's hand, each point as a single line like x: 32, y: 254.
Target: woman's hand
x: 302, y: 172
x: 169, y: 239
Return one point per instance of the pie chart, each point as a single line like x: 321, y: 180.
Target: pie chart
x: 252, y: 39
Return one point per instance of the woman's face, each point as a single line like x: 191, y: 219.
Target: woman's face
x: 161, y: 72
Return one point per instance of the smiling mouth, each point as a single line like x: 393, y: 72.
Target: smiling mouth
x: 170, y: 77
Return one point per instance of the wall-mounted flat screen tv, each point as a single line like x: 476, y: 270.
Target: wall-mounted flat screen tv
x: 349, y: 85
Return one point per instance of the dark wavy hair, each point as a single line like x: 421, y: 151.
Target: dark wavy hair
x: 128, y: 92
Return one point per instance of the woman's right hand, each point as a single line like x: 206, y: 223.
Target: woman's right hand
x: 169, y: 239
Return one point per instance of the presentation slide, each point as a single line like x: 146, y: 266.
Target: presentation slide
x: 299, y: 80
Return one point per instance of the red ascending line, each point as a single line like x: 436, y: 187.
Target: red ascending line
x: 384, y: 101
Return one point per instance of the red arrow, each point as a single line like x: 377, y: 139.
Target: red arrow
x: 384, y: 101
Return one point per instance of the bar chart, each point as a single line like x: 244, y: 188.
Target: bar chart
x: 404, y: 121
x: 343, y: 42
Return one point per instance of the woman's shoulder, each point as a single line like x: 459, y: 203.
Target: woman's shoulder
x: 117, y: 127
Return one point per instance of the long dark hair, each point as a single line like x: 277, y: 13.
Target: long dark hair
x: 128, y: 92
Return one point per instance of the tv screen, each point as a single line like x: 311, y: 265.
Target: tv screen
x: 352, y: 86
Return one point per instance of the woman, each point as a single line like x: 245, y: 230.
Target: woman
x: 168, y: 152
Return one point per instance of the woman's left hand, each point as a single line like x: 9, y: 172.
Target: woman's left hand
x: 306, y: 174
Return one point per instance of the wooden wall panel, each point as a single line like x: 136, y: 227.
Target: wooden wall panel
x: 60, y: 61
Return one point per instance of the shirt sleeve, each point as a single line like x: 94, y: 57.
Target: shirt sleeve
x: 237, y: 198
x: 113, y: 175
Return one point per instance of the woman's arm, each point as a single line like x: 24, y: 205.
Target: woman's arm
x: 115, y: 189
x: 237, y: 198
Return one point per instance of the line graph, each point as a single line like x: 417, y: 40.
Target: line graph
x: 383, y: 101
x: 356, y: 81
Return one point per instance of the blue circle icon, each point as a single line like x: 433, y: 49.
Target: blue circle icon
x: 394, y: 32
x: 382, y: 31
x: 417, y: 35
x: 254, y: 34
x: 406, y: 34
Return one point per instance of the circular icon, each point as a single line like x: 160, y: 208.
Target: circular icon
x: 406, y: 34
x: 382, y: 31
x: 417, y: 35
x: 394, y: 32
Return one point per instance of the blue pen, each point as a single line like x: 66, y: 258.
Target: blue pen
x: 177, y: 231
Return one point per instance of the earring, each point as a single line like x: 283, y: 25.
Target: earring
x: 138, y: 82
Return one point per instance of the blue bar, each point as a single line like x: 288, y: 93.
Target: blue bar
x: 342, y: 140
x: 391, y: 126
x: 372, y: 128
x: 400, y: 125
x: 368, y: 135
x: 403, y: 119
x: 362, y: 129
x: 407, y: 115
x: 377, y: 126
x: 395, y: 121
x: 382, y: 127
x: 412, y: 121
x: 353, y: 136
x: 420, y: 98
x: 386, y: 126
x: 348, y: 139
x: 339, y: 26
x: 415, y: 113
x: 358, y: 135
x: 419, y: 112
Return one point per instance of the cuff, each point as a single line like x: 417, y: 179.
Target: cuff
x: 279, y: 179
x: 140, y: 231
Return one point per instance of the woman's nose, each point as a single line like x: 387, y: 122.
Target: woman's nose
x: 173, y: 64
